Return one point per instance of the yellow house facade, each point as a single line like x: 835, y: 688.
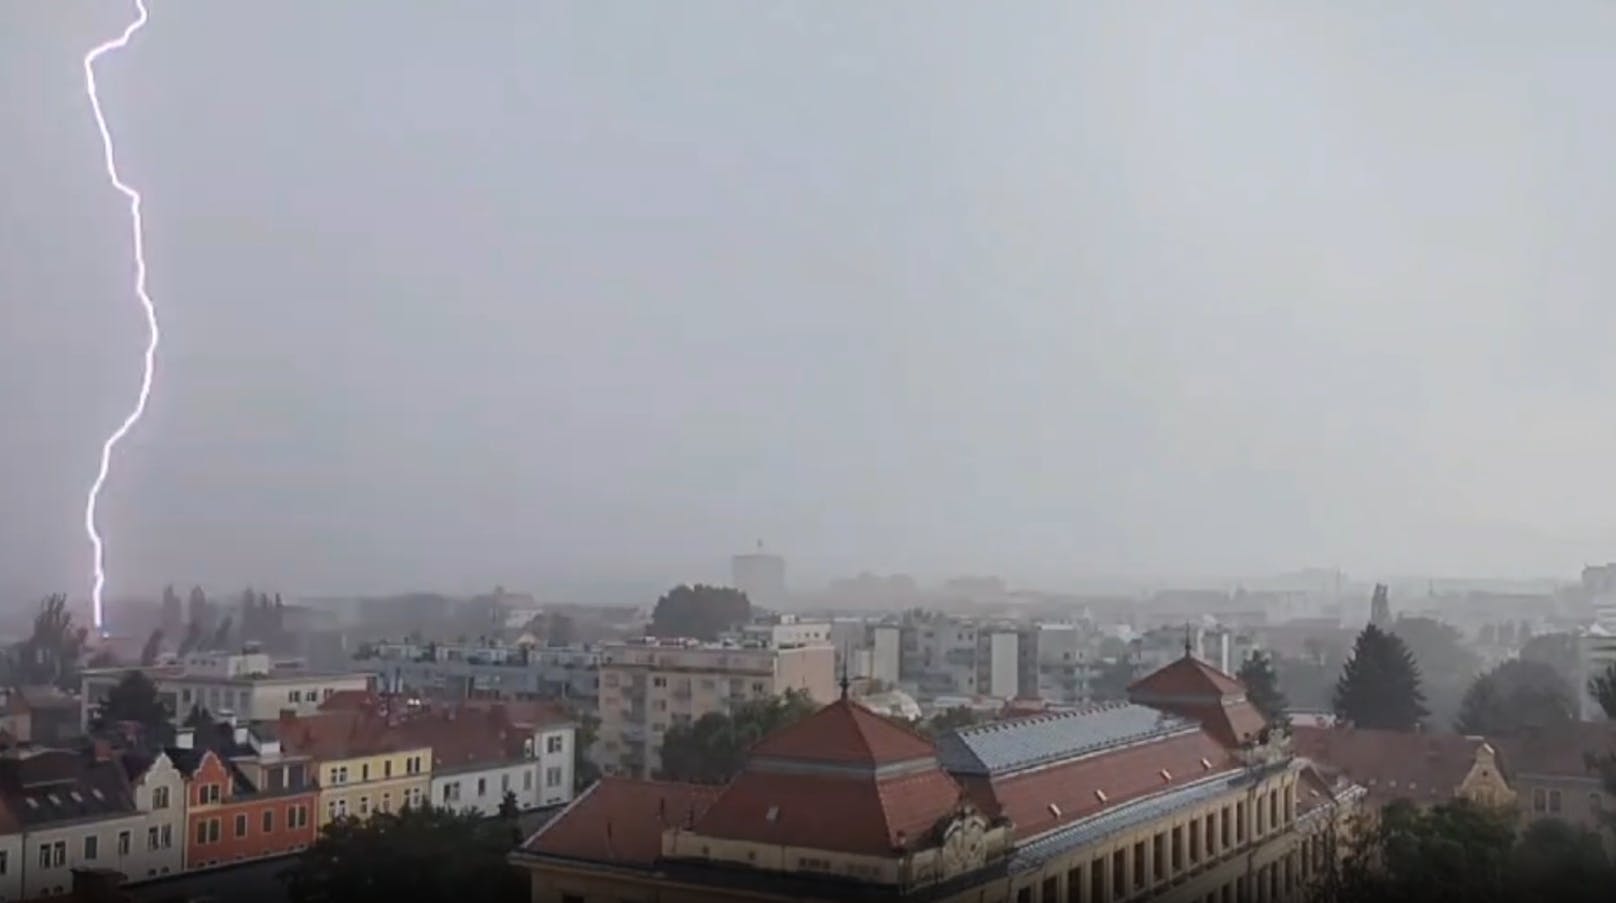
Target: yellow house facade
x: 364, y: 763
x: 381, y: 782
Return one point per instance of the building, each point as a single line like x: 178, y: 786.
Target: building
x: 1548, y: 769
x: 1110, y: 802
x: 647, y: 687
x: 451, y: 671
x: 1596, y: 653
x: 67, y: 811
x: 761, y: 576
x: 241, y: 806
x: 1423, y: 768
x: 1055, y: 665
x: 248, y: 685
x: 40, y: 714
x: 361, y: 760
x: 158, y: 788
x: 480, y: 755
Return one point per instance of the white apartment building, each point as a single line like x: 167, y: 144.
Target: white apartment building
x: 159, y: 793
x: 473, y: 770
x: 248, y: 685
x: 1596, y: 651
x: 648, y: 686
x: 1059, y: 668
x: 72, y: 812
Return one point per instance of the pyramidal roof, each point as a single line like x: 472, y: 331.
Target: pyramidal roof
x: 845, y: 733
x: 1188, y: 678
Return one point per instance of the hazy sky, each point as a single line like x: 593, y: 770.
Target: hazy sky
x: 523, y: 292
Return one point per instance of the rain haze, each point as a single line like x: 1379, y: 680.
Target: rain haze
x: 553, y: 293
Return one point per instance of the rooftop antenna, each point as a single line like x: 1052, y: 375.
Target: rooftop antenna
x: 844, y: 680
x: 1187, y: 643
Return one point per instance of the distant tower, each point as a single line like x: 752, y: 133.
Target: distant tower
x: 1380, y: 607
x: 761, y: 576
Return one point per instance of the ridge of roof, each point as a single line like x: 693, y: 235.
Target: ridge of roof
x: 1186, y: 677
x: 844, y: 733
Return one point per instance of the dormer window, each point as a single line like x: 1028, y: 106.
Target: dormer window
x: 1100, y: 795
x: 1054, y: 810
x: 1166, y: 776
x: 1206, y: 763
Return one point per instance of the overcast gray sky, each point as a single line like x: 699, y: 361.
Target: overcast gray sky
x: 528, y: 292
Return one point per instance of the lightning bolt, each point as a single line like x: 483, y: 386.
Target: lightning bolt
x: 137, y: 229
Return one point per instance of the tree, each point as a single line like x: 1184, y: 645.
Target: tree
x: 1602, y: 687
x: 50, y: 655
x: 221, y: 636
x: 1514, y: 697
x: 1555, y: 862
x: 1455, y: 851
x: 949, y: 720
x: 1446, y: 665
x: 508, y: 807
x: 1262, y: 688
x: 193, y: 636
x: 1111, y: 684
x: 700, y: 612
x: 422, y: 854
x: 1557, y: 650
x: 584, y: 769
x: 134, y: 699
x: 153, y: 648
x: 712, y: 749
x: 1380, y: 685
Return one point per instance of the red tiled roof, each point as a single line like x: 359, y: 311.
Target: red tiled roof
x: 1558, y: 751
x: 1233, y: 723
x: 620, y: 820
x: 1420, y: 767
x: 1124, y: 774
x: 351, y: 700
x: 1188, y: 677
x: 845, y: 733
x: 529, y: 713
x: 463, y: 739
x: 340, y: 735
x: 832, y: 812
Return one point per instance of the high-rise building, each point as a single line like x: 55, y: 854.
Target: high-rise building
x: 648, y: 686
x: 761, y: 575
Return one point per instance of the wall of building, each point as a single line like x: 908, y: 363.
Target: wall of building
x: 886, y: 655
x: 302, y: 695
x: 362, y: 785
x: 114, y: 848
x: 1004, y: 671
x: 160, y: 796
x: 11, y: 866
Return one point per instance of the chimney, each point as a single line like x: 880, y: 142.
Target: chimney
x: 241, y: 735
x: 185, y: 738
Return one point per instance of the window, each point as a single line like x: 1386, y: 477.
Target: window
x: 364, y: 807
x: 1554, y: 802
x: 1273, y: 809
x: 482, y: 787
x: 123, y: 843
x: 387, y: 768
x: 92, y: 846
x: 3, y: 862
x: 387, y: 802
x: 294, y: 696
x: 527, y: 782
x: 504, y: 784
x: 364, y: 772
x: 659, y: 681
x: 342, y: 808
x: 210, y: 793
x: 554, y: 743
x: 151, y: 838
x: 168, y: 837
x: 213, y: 830
x: 1540, y: 800
x: 159, y: 798
x: 1158, y: 857
x: 552, y: 776
x: 269, y: 821
x: 44, y: 855
x: 241, y: 825
x: 201, y: 833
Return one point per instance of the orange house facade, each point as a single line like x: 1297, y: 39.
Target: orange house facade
x: 230, y: 820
